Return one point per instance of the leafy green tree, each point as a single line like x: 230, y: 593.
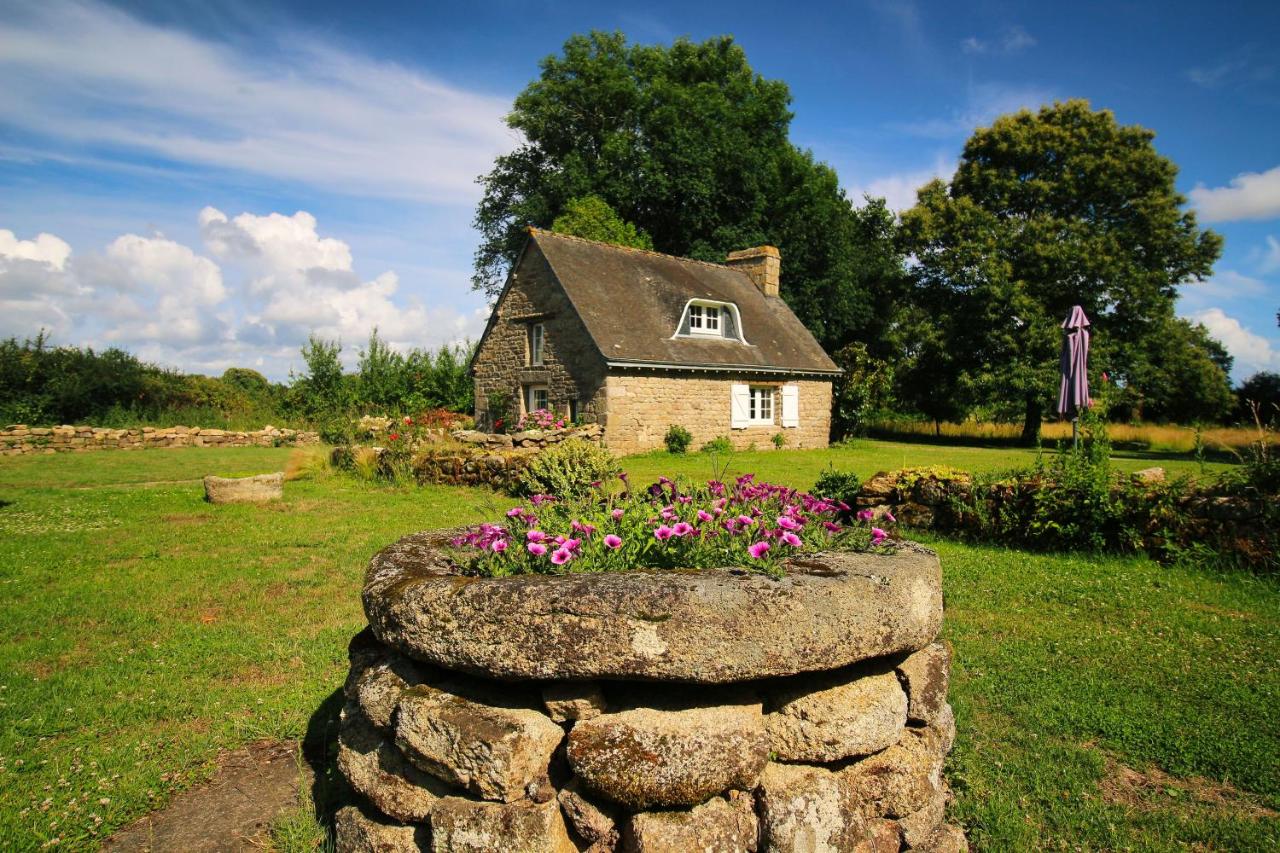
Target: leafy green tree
x: 688, y: 144
x: 323, y: 393
x: 592, y: 218
x: 1047, y: 210
x: 1264, y: 390
x: 1180, y: 376
x: 861, y: 392
x: 381, y: 377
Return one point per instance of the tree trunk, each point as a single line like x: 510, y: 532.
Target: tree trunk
x: 1031, y: 423
x: 937, y: 428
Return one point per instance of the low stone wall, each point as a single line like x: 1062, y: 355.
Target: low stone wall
x: 942, y: 500
x: 529, y: 439
x: 648, y: 710
x: 19, y: 439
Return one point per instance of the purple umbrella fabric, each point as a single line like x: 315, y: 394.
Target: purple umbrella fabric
x: 1073, y: 395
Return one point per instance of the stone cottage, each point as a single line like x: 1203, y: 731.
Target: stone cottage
x: 637, y: 341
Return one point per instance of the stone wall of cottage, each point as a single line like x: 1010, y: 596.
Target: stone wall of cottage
x: 639, y: 407
x: 572, y: 367
x: 19, y: 440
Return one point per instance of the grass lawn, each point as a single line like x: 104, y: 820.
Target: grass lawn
x: 1102, y: 703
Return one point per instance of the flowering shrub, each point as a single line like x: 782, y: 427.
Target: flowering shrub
x: 570, y: 469
x: 540, y: 419
x: 750, y: 524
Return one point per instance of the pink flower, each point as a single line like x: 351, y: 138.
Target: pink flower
x: 878, y: 536
x: 499, y: 545
x: 888, y: 516
x: 561, y: 556
x: 571, y: 545
x: 832, y: 527
x: 788, y: 523
x: 668, y: 513
x: 663, y: 533
x: 536, y: 549
x: 746, y: 520
x: 865, y: 515
x: 617, y: 514
x: 682, y: 528
x: 758, y: 550
x: 535, y: 536
x: 704, y: 516
x: 791, y: 539
x: 515, y: 511
x: 613, y: 542
x: 584, y: 529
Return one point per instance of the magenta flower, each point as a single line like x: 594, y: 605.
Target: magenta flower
x: 865, y: 515
x: 580, y: 527
x: 791, y: 539
x: 515, y: 512
x: 663, y: 533
x: 499, y: 545
x: 758, y: 550
x: 571, y: 545
x: 832, y: 527
x: 537, y: 549
x: 668, y: 513
x: 535, y: 536
x: 704, y: 516
x: 786, y: 522
x: 746, y: 520
x: 617, y: 514
x: 888, y: 516
x: 613, y: 542
x: 878, y: 536
x: 682, y: 528
x: 561, y: 556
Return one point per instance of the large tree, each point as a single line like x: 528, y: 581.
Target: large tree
x: 1047, y: 210
x: 688, y: 144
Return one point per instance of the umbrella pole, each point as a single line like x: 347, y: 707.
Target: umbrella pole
x: 1075, y: 433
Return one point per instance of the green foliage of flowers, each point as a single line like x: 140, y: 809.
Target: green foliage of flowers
x: 569, y: 469
x: 841, y: 486
x: 667, y: 526
x: 677, y: 439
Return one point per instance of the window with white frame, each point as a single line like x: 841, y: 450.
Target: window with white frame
x: 536, y: 397
x: 704, y: 319
x: 760, y: 404
x: 537, y: 332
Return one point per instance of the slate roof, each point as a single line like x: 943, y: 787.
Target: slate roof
x: 631, y: 302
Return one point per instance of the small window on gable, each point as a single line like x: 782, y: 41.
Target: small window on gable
x: 709, y: 319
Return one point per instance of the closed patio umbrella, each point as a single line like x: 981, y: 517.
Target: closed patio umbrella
x: 1073, y: 393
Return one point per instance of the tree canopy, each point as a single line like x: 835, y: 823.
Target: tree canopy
x: 690, y: 146
x: 1047, y: 210
x: 592, y: 218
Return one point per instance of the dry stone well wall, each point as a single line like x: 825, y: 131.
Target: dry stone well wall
x: 710, y: 710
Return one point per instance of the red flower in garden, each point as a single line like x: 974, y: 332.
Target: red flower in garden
x: 394, y: 436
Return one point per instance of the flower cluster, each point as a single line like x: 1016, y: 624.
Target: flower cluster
x: 743, y: 523
x: 540, y: 419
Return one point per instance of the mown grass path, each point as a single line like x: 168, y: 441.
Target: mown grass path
x: 1103, y: 703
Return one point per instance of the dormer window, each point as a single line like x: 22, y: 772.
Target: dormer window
x: 706, y: 319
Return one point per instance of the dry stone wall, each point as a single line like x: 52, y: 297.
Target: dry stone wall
x: 19, y: 439
x: 641, y: 712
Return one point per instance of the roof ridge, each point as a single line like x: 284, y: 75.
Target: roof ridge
x: 535, y: 231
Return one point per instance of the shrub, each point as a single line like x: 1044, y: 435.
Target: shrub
x: 839, y: 486
x: 719, y: 444
x: 540, y: 419
x: 779, y: 440
x: 568, y: 470
x: 678, y: 439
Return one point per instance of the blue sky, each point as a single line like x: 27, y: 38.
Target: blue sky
x: 205, y: 184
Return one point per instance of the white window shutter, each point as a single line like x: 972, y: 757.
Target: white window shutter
x: 739, y: 406
x: 791, y: 405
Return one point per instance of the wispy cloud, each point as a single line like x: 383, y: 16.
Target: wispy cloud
x: 1012, y: 39
x: 1252, y: 352
x: 1250, y: 195
x: 88, y: 80
x: 1243, y: 67
x: 984, y: 103
x: 898, y: 189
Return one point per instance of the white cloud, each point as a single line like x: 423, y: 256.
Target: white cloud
x: 320, y: 115
x: 1250, y: 195
x: 45, y: 248
x: 1251, y: 351
x: 279, y: 281
x: 899, y: 189
x: 1270, y: 257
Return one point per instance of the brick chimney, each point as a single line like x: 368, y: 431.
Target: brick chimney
x: 763, y: 264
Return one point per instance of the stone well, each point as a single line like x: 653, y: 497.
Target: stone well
x: 710, y: 710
